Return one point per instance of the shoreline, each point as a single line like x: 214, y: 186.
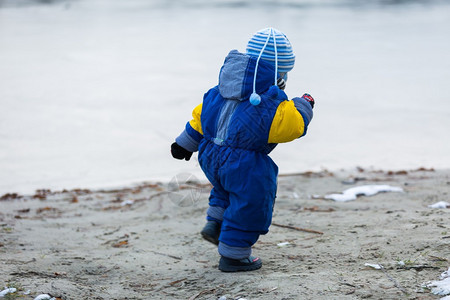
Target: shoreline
x: 136, y: 183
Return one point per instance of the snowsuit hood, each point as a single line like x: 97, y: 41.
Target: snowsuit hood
x: 236, y: 76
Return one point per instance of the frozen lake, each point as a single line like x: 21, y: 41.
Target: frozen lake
x: 92, y: 93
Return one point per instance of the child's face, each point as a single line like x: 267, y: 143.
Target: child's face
x: 283, y: 75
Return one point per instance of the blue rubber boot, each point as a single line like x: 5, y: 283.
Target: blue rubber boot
x: 239, y: 265
x: 211, y: 232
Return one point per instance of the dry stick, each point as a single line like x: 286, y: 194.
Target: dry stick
x: 297, y: 228
x: 171, y: 256
x: 177, y: 281
x: 201, y: 293
x: 114, y: 231
x: 438, y: 258
x: 152, y: 196
x: 397, y: 285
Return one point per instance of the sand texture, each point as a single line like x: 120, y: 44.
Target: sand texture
x: 143, y: 242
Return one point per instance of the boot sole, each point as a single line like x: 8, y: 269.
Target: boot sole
x: 227, y: 268
x: 210, y: 238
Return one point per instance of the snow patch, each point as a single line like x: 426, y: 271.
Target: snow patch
x: 441, y: 287
x: 283, y: 244
x: 440, y: 204
x: 127, y: 202
x: 7, y: 291
x: 364, y: 190
x: 375, y: 266
x: 44, y: 297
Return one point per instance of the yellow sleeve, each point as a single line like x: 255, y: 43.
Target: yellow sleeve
x: 196, y: 122
x: 287, y: 124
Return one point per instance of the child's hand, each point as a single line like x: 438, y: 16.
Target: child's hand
x: 309, y: 98
x: 179, y: 152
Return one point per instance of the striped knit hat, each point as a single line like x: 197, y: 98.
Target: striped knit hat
x: 274, y: 47
x: 285, y: 54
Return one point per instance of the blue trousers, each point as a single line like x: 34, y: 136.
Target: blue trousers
x: 244, y: 188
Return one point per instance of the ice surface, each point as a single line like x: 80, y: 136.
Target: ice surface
x: 92, y: 93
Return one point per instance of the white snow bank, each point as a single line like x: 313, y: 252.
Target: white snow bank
x: 44, y: 297
x: 364, y: 190
x: 375, y: 266
x: 7, y: 291
x: 440, y: 204
x: 127, y: 202
x: 441, y: 287
x: 283, y: 244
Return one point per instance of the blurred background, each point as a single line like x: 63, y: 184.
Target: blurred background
x: 93, y: 92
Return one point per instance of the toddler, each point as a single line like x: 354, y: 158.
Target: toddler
x: 240, y: 121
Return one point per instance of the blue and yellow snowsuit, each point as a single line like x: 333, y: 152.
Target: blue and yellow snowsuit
x: 234, y: 138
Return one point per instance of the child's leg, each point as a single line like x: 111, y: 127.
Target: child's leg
x: 252, y: 190
x: 218, y: 202
x: 248, y: 216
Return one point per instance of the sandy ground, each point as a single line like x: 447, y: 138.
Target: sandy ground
x: 143, y: 242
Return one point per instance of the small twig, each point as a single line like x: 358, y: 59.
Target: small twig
x: 297, y: 228
x: 419, y: 267
x: 397, y: 285
x: 347, y: 284
x: 201, y: 293
x: 438, y: 258
x: 114, y: 231
x: 116, y: 240
x: 316, y: 209
x: 151, y: 196
x: 177, y: 281
x: 171, y: 256
x: 351, y: 292
x: 32, y: 274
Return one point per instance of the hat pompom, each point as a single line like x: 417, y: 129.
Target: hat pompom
x: 255, y: 99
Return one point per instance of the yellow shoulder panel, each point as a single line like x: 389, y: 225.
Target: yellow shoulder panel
x: 287, y: 124
x: 196, y: 122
